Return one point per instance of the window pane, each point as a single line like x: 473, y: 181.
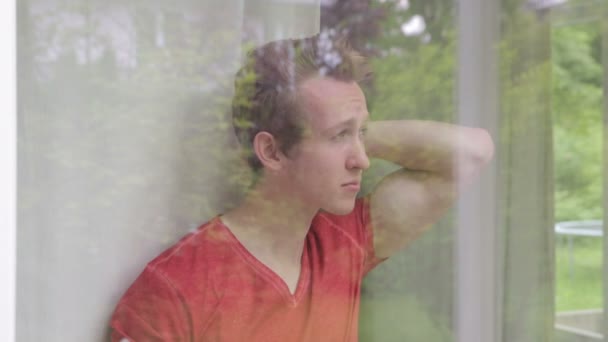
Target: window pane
x: 578, y: 82
x: 128, y: 140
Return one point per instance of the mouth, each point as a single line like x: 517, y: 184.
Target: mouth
x: 352, y: 186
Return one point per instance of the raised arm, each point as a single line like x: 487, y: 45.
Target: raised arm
x: 435, y: 157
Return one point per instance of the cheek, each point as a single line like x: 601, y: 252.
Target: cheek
x: 329, y: 168
x: 322, y: 164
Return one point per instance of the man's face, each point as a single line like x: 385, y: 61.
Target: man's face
x: 325, y: 167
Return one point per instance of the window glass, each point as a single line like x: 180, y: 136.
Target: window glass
x: 128, y: 141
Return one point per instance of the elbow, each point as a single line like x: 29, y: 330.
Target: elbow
x: 475, y: 153
x: 481, y: 147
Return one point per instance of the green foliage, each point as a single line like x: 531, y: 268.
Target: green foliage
x: 106, y: 132
x: 414, y: 75
x: 577, y: 110
x: 414, y: 78
x: 415, y: 84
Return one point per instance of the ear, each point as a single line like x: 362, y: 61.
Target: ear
x: 267, y: 149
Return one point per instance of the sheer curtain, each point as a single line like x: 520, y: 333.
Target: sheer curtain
x: 525, y: 174
x: 8, y: 175
x: 124, y: 142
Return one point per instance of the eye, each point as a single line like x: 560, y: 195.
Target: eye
x: 342, y: 134
x: 363, y: 132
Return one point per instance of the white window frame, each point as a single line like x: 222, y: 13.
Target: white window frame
x: 8, y: 172
x: 478, y: 289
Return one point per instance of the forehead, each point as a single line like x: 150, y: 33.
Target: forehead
x: 326, y: 102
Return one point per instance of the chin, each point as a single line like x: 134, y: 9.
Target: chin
x: 342, y: 209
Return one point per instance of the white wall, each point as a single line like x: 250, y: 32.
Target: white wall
x: 8, y: 169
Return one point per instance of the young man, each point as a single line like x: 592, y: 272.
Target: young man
x: 287, y: 263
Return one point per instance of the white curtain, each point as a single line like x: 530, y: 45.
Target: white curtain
x: 124, y: 142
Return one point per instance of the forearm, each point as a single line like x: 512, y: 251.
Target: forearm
x: 430, y: 146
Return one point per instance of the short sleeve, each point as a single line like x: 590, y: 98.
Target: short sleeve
x: 150, y: 310
x: 363, y: 215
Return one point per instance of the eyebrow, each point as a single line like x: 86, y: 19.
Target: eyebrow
x: 346, y: 123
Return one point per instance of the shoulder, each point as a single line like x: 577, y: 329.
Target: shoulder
x: 195, y: 253
x: 188, y: 266
x: 183, y: 283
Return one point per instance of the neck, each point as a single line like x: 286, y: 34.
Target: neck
x: 272, y: 220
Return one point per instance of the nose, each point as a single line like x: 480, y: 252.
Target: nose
x: 358, y: 158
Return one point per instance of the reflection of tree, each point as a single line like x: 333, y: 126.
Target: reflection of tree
x: 101, y: 99
x: 413, y: 76
x: 358, y: 20
x: 577, y: 109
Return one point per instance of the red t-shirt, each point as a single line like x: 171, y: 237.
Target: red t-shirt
x: 208, y: 287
